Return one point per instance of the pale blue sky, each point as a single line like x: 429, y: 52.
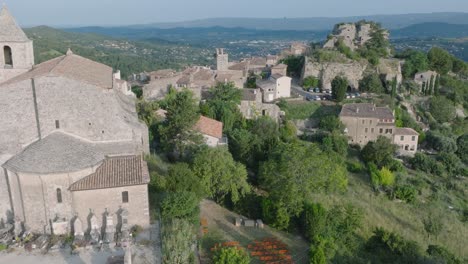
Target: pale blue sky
x: 124, y: 12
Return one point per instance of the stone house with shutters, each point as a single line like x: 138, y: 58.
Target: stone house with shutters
x: 366, y: 122
x: 71, y: 144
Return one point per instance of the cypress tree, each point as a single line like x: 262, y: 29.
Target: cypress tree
x: 431, y: 85
x: 423, y: 89
x: 436, y: 85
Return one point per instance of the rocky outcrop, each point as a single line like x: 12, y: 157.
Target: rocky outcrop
x: 353, y: 35
x: 326, y: 72
x: 389, y: 69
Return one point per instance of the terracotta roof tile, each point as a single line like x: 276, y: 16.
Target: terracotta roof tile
x: 115, y: 172
x: 210, y: 127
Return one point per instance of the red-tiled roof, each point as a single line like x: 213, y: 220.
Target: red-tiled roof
x: 115, y: 172
x: 210, y: 127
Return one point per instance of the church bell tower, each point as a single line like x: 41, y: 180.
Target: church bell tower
x: 16, y: 50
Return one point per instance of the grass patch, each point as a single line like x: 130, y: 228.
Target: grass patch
x: 402, y: 218
x: 3, y: 247
x: 305, y: 110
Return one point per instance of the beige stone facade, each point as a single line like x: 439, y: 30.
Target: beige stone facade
x: 366, y: 122
x: 252, y: 105
x: 64, y: 122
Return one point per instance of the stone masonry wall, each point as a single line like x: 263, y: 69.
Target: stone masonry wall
x: 99, y: 200
x: 353, y: 72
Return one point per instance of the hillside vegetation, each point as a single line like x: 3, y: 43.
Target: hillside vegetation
x: 127, y: 56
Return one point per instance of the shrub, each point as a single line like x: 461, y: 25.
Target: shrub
x: 386, y: 177
x: 354, y: 166
x: 440, y: 142
x: 406, y: 193
x: 3, y: 247
x: 442, y: 255
x: 231, y: 255
x: 310, y: 82
x: 442, y: 109
x: 180, y: 205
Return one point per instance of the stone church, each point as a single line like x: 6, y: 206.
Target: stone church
x: 71, y: 144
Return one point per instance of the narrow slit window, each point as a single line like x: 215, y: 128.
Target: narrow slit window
x: 59, y: 195
x: 125, y: 197
x: 57, y: 124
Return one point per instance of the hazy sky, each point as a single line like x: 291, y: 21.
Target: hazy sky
x: 124, y: 12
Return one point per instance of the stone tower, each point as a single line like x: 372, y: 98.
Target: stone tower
x: 222, y: 60
x: 16, y: 50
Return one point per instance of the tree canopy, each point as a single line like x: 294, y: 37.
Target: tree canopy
x: 220, y: 175
x: 176, y: 131
x: 339, y: 87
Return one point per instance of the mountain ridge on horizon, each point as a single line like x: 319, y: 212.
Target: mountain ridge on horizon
x: 396, y: 21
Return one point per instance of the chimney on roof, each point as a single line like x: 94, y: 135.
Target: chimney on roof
x: 69, y: 52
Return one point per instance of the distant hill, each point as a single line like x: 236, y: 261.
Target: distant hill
x: 127, y: 56
x: 424, y: 30
x: 316, y: 23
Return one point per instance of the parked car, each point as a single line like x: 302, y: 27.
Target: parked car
x: 328, y: 91
x: 317, y: 90
x: 317, y: 98
x: 357, y: 94
x: 348, y: 96
x: 310, y: 97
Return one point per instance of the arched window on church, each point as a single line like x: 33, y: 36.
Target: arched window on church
x: 59, y: 195
x: 8, y: 56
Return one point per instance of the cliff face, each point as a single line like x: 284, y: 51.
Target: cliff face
x: 353, y: 71
x: 327, y: 71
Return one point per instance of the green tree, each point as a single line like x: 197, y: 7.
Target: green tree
x: 177, y: 238
x: 371, y: 83
x: 442, y: 109
x: 440, y: 60
x: 442, y: 255
x: 379, y: 152
x: 295, y: 65
x: 459, y: 65
x: 462, y: 143
x: 138, y: 91
x: 176, y: 132
x: 314, y: 220
x: 317, y: 255
x: 230, y: 255
x: 331, y: 123
x: 299, y: 168
x: 415, y: 61
x: 440, y: 142
x: 220, y: 174
x: 310, y: 82
x: 433, y: 225
x: 223, y: 105
x: 147, y: 113
x: 180, y: 205
x: 339, y: 87
x: 181, y: 178
x: 386, y: 177
x: 431, y: 85
x: 437, y: 86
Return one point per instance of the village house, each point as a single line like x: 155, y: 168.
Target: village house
x: 366, y: 122
x: 211, y: 130
x: 195, y: 78
x: 252, y: 105
x: 72, y: 145
x: 276, y: 87
x: 425, y: 78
